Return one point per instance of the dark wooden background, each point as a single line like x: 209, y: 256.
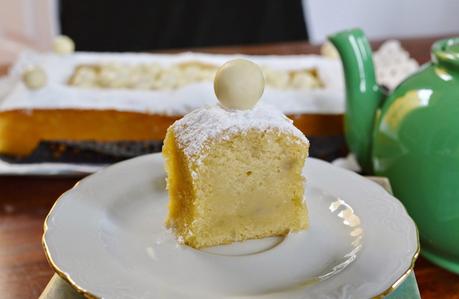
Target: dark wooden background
x: 25, y: 201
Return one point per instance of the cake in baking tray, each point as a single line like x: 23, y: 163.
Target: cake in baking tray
x: 107, y: 98
x: 234, y: 169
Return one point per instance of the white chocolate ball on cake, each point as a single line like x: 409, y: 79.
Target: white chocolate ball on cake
x: 239, y: 84
x: 34, y: 77
x: 63, y: 45
x: 328, y: 50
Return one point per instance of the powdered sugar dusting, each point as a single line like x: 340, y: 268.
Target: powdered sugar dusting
x: 194, y: 130
x: 57, y: 94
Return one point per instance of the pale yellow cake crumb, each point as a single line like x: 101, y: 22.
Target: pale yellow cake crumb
x: 248, y: 186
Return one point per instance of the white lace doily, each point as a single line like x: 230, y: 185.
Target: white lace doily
x: 392, y: 63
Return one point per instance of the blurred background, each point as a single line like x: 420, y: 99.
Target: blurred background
x: 139, y: 25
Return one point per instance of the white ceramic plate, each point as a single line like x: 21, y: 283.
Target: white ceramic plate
x: 106, y: 237
x: 50, y: 169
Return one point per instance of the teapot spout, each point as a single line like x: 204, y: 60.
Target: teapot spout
x: 363, y: 95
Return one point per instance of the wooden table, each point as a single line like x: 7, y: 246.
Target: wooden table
x: 25, y: 201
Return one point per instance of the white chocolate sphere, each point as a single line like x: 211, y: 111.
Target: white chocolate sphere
x: 328, y: 50
x: 239, y: 84
x: 63, y: 45
x: 34, y: 77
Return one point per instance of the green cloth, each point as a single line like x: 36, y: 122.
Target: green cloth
x: 57, y: 288
x: 407, y: 290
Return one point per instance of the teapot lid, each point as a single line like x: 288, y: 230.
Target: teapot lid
x: 446, y: 51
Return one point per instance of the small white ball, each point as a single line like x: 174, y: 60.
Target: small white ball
x: 63, y: 45
x: 328, y: 50
x: 239, y: 84
x: 34, y: 77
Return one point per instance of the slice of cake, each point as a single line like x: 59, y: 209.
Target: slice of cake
x: 235, y: 174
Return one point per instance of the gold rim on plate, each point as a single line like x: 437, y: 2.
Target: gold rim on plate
x: 62, y: 274
x: 89, y: 295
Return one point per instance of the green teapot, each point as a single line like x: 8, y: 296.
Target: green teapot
x: 410, y: 136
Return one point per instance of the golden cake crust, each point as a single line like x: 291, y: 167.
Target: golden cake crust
x: 22, y: 130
